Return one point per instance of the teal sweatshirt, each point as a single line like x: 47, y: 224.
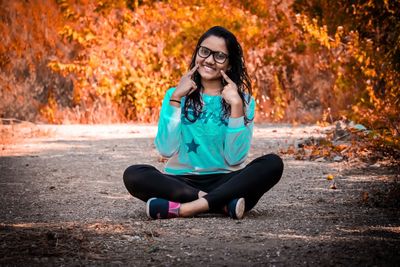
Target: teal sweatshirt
x: 208, y: 145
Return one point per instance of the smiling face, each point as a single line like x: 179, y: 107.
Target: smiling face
x: 209, y: 69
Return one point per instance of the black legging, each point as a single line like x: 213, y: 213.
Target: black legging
x: 251, y: 182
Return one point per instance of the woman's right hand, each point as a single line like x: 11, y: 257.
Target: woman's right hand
x: 186, y: 85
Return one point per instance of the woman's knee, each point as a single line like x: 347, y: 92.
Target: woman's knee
x: 133, y: 174
x: 277, y: 161
x: 275, y: 166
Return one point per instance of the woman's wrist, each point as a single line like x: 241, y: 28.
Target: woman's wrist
x: 176, y: 97
x: 237, y: 110
x: 237, y: 102
x: 175, y: 101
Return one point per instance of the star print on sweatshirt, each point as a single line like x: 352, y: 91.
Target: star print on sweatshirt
x: 211, y: 144
x: 192, y: 146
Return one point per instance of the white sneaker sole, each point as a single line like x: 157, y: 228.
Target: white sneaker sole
x: 148, y: 207
x: 239, y: 209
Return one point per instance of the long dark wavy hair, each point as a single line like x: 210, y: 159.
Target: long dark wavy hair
x: 237, y: 73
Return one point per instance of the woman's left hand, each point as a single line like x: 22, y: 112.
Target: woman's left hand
x: 230, y: 91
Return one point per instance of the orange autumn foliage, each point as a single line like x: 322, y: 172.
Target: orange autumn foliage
x: 101, y: 61
x: 29, y: 38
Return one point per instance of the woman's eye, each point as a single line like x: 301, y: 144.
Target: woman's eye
x: 220, y: 56
x: 204, y: 51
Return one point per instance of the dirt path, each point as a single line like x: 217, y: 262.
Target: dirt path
x: 63, y: 203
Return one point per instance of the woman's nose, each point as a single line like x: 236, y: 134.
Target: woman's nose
x: 210, y: 59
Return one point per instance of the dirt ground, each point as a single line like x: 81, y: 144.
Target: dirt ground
x: 63, y: 203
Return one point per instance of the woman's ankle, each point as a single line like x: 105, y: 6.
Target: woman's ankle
x: 183, y: 211
x: 190, y: 209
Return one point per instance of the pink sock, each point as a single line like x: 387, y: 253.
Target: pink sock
x: 173, y: 209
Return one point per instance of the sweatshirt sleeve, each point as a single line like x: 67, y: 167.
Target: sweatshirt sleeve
x: 238, y: 137
x: 169, y: 127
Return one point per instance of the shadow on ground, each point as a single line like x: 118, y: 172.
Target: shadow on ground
x: 64, y: 203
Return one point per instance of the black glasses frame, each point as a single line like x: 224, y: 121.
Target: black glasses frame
x: 212, y: 53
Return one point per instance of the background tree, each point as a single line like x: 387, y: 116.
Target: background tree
x: 98, y: 61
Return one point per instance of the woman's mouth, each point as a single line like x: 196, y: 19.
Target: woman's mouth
x: 208, y: 68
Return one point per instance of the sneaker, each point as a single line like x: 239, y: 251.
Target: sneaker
x: 158, y: 208
x: 235, y: 208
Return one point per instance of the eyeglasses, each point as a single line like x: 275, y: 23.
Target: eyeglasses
x: 218, y: 56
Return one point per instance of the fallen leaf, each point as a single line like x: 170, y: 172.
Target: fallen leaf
x: 333, y: 186
x: 365, y: 196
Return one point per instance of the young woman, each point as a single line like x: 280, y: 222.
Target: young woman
x: 205, y: 129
